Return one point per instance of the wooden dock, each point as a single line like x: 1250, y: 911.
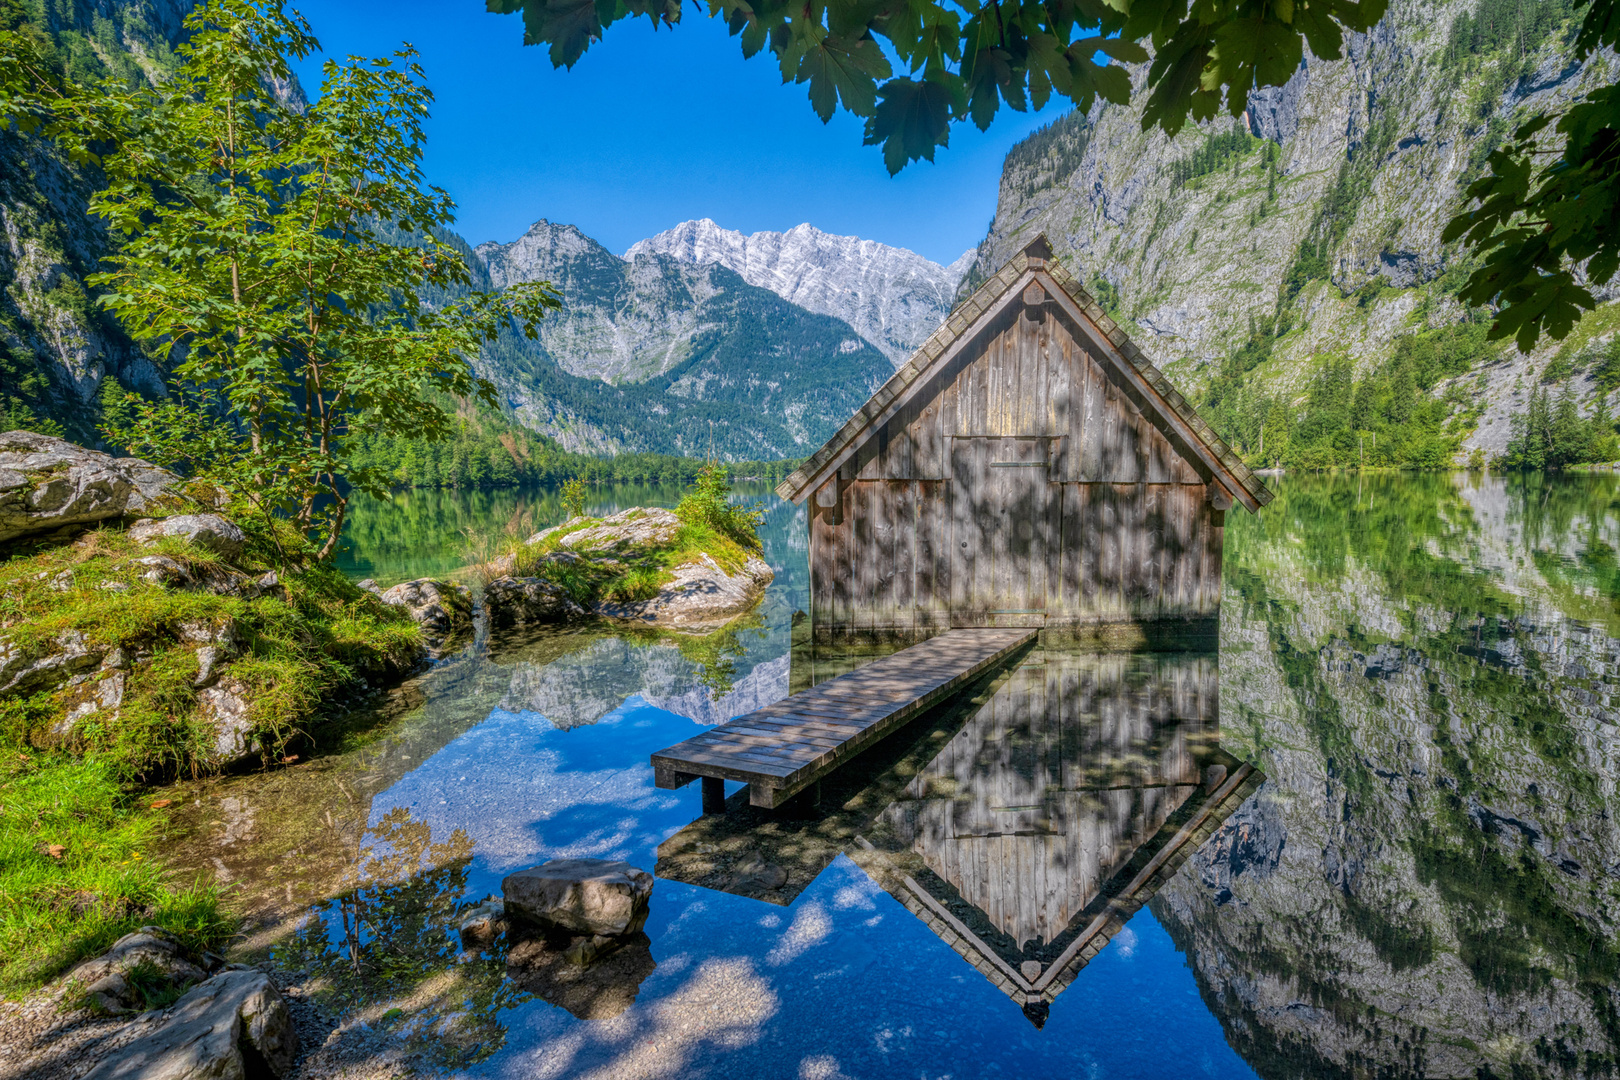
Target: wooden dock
x: 780, y: 750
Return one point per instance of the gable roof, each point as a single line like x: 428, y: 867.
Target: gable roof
x: 1035, y: 264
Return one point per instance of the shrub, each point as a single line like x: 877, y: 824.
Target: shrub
x: 573, y: 497
x: 708, y: 503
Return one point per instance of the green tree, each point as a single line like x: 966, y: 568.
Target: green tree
x: 573, y: 497
x: 282, y: 253
x: 1535, y: 225
x: 963, y: 61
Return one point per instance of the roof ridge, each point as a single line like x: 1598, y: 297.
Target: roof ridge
x: 962, y: 317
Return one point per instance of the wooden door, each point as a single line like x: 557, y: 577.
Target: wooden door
x: 1001, y: 503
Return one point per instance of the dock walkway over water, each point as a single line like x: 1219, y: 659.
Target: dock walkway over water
x: 785, y: 747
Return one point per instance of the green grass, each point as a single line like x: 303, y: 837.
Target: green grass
x: 296, y: 649
x: 106, y: 880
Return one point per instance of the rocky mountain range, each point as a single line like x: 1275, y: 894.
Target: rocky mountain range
x: 894, y: 298
x: 646, y: 352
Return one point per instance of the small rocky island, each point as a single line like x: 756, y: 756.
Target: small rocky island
x: 644, y: 565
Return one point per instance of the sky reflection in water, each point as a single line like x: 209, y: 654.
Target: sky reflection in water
x: 844, y: 982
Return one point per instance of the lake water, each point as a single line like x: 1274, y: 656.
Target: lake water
x: 1421, y: 876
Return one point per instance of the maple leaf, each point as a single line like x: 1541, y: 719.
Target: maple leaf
x: 837, y: 69
x: 1176, y: 78
x: 913, y: 117
x: 1248, y: 53
x: 568, y: 26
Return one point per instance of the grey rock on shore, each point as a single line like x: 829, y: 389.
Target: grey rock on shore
x: 440, y: 608
x: 208, y: 531
x: 48, y: 483
x: 235, y: 1026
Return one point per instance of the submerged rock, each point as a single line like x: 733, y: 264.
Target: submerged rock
x: 592, y: 981
x: 208, y: 531
x: 586, y: 896
x: 519, y: 601
x: 232, y: 1027
x: 47, y: 483
x: 483, y: 924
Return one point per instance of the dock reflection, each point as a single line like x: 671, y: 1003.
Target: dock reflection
x: 1024, y: 822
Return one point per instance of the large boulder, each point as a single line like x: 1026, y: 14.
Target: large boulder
x: 47, y: 483
x: 585, y: 896
x: 232, y: 1027
x: 440, y: 608
x: 151, y: 948
x: 518, y: 601
x: 209, y: 531
x: 703, y: 596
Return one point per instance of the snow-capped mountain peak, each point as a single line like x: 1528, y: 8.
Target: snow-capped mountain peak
x: 894, y: 298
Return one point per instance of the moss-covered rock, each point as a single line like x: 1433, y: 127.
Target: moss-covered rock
x: 186, y: 644
x: 645, y: 565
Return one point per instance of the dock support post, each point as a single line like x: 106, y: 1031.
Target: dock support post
x: 714, y: 795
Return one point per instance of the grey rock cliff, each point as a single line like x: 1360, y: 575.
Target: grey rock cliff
x: 1372, y: 151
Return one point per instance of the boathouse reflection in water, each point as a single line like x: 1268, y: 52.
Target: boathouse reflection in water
x: 1024, y: 823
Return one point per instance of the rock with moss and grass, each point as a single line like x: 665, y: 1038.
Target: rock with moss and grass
x: 666, y: 569
x: 145, y: 634
x: 184, y: 642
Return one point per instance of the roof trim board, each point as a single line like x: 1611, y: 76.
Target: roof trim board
x: 991, y: 298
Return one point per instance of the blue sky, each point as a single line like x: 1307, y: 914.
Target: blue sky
x: 651, y: 129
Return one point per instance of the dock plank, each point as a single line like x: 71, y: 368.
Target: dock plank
x: 788, y: 745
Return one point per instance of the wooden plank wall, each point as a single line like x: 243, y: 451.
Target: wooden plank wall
x: 932, y: 528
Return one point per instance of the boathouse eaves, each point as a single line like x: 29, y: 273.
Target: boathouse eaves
x: 1004, y: 287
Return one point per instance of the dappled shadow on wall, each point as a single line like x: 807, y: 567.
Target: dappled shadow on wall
x: 1024, y: 822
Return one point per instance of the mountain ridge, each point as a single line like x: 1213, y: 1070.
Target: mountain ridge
x: 893, y: 297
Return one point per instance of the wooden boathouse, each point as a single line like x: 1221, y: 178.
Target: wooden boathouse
x: 1027, y: 467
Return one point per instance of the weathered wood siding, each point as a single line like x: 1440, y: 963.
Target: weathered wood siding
x: 1075, y: 763
x: 1023, y: 485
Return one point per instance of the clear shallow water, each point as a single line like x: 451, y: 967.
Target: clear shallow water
x: 1424, y: 885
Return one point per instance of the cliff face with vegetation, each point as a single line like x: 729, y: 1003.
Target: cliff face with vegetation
x: 1247, y: 256
x: 55, y: 349
x: 1425, y: 884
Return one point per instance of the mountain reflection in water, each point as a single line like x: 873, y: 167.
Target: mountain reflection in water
x: 1422, y: 668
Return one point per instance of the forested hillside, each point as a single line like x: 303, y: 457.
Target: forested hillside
x: 1287, y: 268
